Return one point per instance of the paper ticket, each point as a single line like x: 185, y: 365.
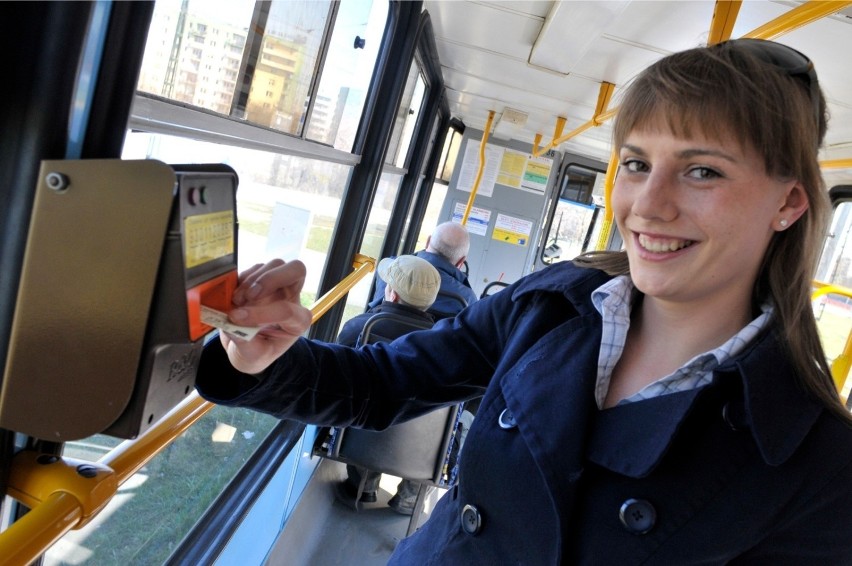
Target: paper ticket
x: 219, y: 320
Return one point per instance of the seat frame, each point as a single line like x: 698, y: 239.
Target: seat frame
x: 419, y: 449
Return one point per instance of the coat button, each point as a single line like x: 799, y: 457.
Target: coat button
x: 638, y: 516
x: 506, y: 420
x: 471, y: 520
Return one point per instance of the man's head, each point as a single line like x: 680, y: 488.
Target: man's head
x: 410, y: 280
x: 451, y: 241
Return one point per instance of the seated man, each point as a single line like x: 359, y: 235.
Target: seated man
x: 411, y: 285
x: 446, y: 249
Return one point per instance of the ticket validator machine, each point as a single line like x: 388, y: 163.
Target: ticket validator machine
x: 120, y: 256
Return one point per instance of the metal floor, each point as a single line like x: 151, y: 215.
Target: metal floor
x: 324, y: 532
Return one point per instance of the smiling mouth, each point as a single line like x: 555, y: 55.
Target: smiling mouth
x: 662, y: 245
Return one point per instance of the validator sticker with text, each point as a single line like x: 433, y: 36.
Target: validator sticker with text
x: 218, y: 319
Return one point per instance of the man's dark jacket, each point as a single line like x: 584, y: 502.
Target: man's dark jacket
x: 452, y: 281
x: 388, y: 328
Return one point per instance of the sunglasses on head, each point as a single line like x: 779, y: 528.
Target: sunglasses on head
x: 792, y: 62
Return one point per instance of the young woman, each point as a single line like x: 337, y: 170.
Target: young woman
x: 667, y: 405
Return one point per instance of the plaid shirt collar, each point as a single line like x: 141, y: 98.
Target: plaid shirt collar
x: 614, y: 301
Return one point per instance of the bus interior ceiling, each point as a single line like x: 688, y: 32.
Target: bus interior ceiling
x: 533, y: 62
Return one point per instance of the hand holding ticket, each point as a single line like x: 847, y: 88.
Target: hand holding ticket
x: 267, y: 302
x: 218, y: 319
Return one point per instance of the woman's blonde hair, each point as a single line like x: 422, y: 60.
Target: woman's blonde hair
x: 725, y: 90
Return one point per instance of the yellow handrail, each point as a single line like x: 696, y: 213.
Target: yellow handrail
x: 836, y: 164
x: 799, y: 16
x: 65, y: 494
x: 479, y: 172
x: 724, y: 17
x: 600, y: 115
x: 609, y: 181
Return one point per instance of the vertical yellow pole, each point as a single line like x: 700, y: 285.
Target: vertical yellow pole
x: 609, y: 181
x: 481, y: 167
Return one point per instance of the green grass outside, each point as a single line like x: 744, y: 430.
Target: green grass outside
x: 178, y: 486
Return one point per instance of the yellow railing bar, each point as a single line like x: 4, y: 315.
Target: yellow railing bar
x: 65, y: 494
x: 363, y: 265
x: 841, y: 364
x: 799, y: 16
x: 836, y: 164
x: 724, y: 17
x: 39, y: 529
x: 609, y: 181
x: 604, y: 116
x: 604, y: 96
x: 485, y: 133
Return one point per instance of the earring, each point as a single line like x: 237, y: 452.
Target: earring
x: 783, y: 222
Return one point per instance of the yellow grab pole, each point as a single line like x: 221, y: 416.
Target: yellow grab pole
x: 363, y: 265
x: 724, y: 17
x: 28, y: 537
x: 481, y: 169
x: 609, y: 182
x: 799, y: 16
x: 836, y: 164
x: 604, y: 96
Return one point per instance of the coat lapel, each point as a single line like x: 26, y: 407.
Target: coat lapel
x: 550, y: 394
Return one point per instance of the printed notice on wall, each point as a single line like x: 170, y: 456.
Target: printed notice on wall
x: 477, y: 220
x: 512, y: 230
x: 536, y: 174
x: 512, y: 168
x: 470, y: 167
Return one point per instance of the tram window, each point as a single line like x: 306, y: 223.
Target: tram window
x: 204, y: 55
x: 388, y: 188
x: 448, y: 155
x: 374, y: 236
x: 347, y: 72
x: 181, y: 64
x: 279, y: 88
x: 575, y: 221
x: 153, y: 511
x: 406, y: 117
x: 834, y: 311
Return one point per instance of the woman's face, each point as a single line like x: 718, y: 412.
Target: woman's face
x: 697, y: 216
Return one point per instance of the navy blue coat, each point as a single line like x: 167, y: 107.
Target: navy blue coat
x: 747, y: 470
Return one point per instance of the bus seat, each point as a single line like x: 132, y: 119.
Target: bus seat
x: 423, y: 449
x: 492, y: 288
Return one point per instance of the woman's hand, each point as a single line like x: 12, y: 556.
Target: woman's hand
x: 268, y: 297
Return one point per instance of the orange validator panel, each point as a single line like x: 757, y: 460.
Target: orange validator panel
x: 198, y: 271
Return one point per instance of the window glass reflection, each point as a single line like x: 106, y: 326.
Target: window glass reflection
x: 347, y: 72
x: 833, y: 311
x: 406, y: 117
x: 281, y: 72
x: 194, y: 51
